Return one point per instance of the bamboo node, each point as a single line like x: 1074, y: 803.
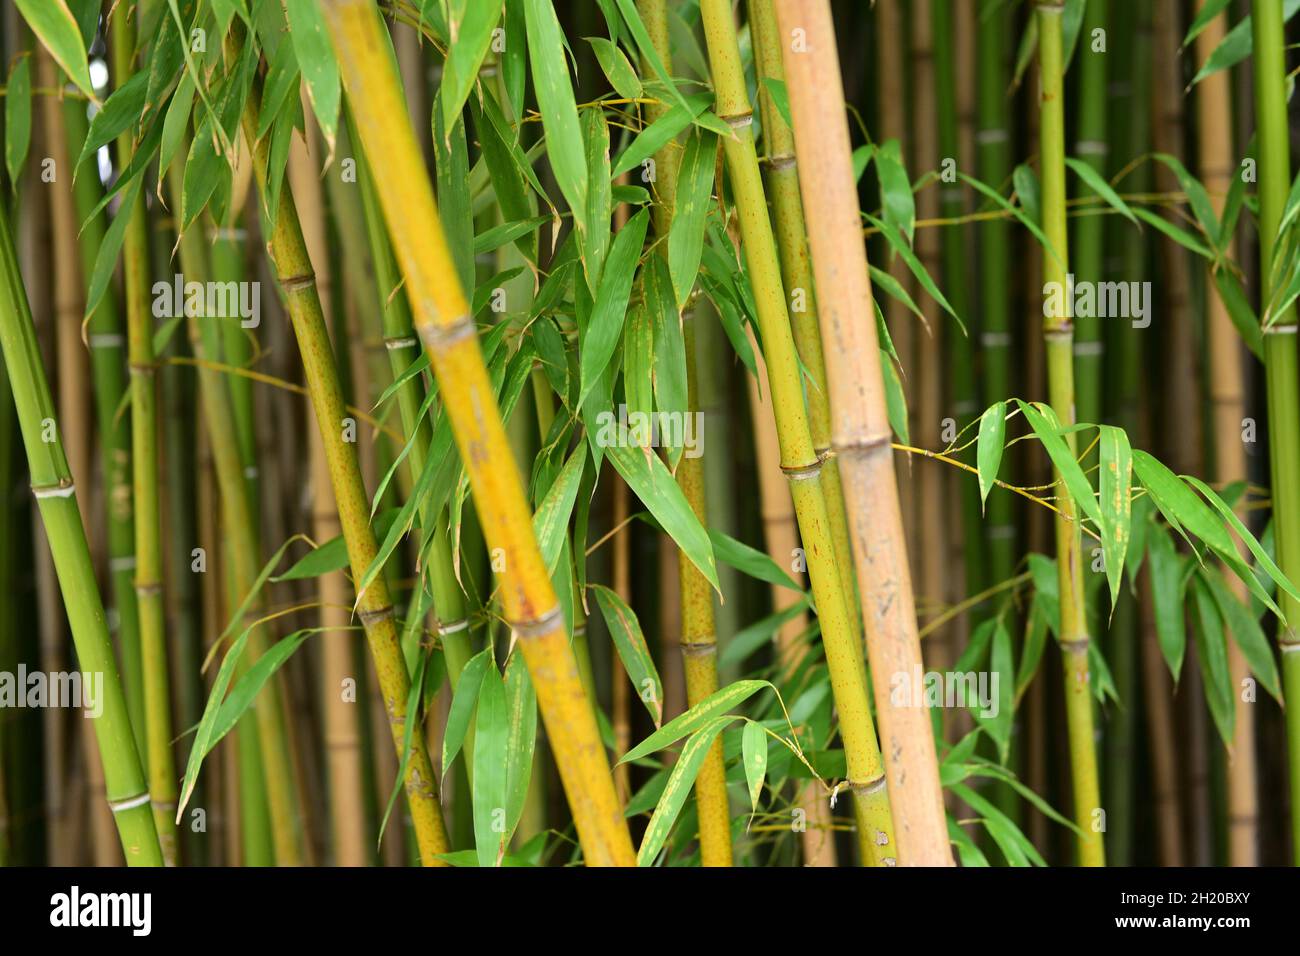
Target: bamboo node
x: 1091, y: 147
x: 400, y: 342
x: 803, y: 472
x: 870, y: 786
x: 699, y: 648
x: 998, y: 340
x: 106, y: 340
x: 739, y: 120
x: 1289, y: 329
x: 1062, y: 332
x: 123, y: 562
x: 294, y: 283
x: 148, y: 588
x: 129, y: 803
x: 538, y: 626
x: 438, y: 336
x: 863, y: 446
x: 994, y: 135
x: 1090, y: 349
x: 146, y: 369
x: 453, y: 628
x: 63, y: 488
x: 375, y: 615
x: 784, y: 161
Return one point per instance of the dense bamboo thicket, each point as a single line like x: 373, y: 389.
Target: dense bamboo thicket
x: 649, y: 432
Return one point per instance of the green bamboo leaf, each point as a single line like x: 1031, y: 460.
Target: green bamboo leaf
x: 1015, y: 846
x: 1233, y: 297
x: 551, y: 521
x: 658, y: 134
x: 1076, y: 482
x: 610, y: 309
x: 780, y: 97
x: 175, y: 122
x: 694, y: 196
x: 521, y: 738
x: 463, y: 702
x: 895, y: 400
x: 698, y: 716
x: 901, y: 247
x: 1031, y: 652
x: 1116, y: 503
x: 647, y: 48
x: 1030, y: 193
x: 1212, y: 655
x: 638, y: 362
x: 1236, y: 45
x: 1097, y: 183
x: 556, y: 104
x: 1258, y: 550
x: 1179, y: 235
x: 1184, y: 510
x: 683, y: 775
x: 247, y: 688
x: 1209, y: 10
x: 594, y: 239
x: 1245, y: 630
x: 1002, y: 665
x: 897, y: 202
x: 625, y: 630
x: 505, y: 233
x: 755, y: 563
x: 1167, y: 581
x: 455, y: 211
x: 18, y: 117
x: 491, y: 745
x: 470, y: 26
x: 106, y: 258
x: 753, y: 748
x: 749, y: 639
x: 614, y: 64
x: 668, y: 371
x: 320, y: 71
x: 1197, y: 197
x: 651, y: 482
x: 1029, y: 216
x: 988, y: 449
x: 60, y: 33
x: 895, y: 289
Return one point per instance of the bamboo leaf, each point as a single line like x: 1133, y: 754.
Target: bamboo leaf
x: 1167, y: 581
x: 625, y: 630
x: 1236, y: 45
x: 469, y: 29
x: 753, y: 744
x: 463, y: 703
x: 896, y: 241
x: 1116, y: 503
x: 610, y: 309
x: 895, y: 400
x: 657, y: 135
x: 556, y: 104
x: 551, y: 521
x: 694, y: 194
x: 649, y: 479
x: 1076, y: 482
x: 698, y: 716
x: 1245, y: 630
x: 1234, y: 299
x: 988, y: 449
x: 491, y: 744
x: 683, y: 775
x: 753, y: 562
x: 106, y: 259
x: 594, y: 239
x: 320, y: 71
x: 617, y: 69
x: 18, y: 117
x: 521, y: 738
x: 59, y: 32
x: 1212, y: 656
x: 1098, y: 184
x: 246, y: 689
x: 1197, y: 197
x: 780, y: 98
x: 1179, y: 235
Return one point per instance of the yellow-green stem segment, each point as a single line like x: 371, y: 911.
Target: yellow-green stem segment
x: 442, y: 318
x: 799, y: 460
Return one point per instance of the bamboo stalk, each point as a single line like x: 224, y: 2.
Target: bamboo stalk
x: 142, y: 369
x: 293, y: 269
x: 698, y: 636
x: 1058, y: 336
x: 56, y: 498
x: 342, y: 739
x: 862, y: 435
x: 444, y: 323
x: 1282, y: 379
x: 1227, y: 398
x: 799, y: 460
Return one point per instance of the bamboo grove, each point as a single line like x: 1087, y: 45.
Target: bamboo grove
x: 649, y: 432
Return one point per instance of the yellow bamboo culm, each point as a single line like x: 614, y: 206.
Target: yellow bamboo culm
x: 442, y: 317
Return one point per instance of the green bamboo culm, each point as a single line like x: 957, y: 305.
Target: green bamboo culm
x: 1281, y: 365
x: 142, y: 377
x: 698, y: 638
x: 55, y: 493
x: 1058, y: 334
x: 799, y: 460
x: 962, y: 399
